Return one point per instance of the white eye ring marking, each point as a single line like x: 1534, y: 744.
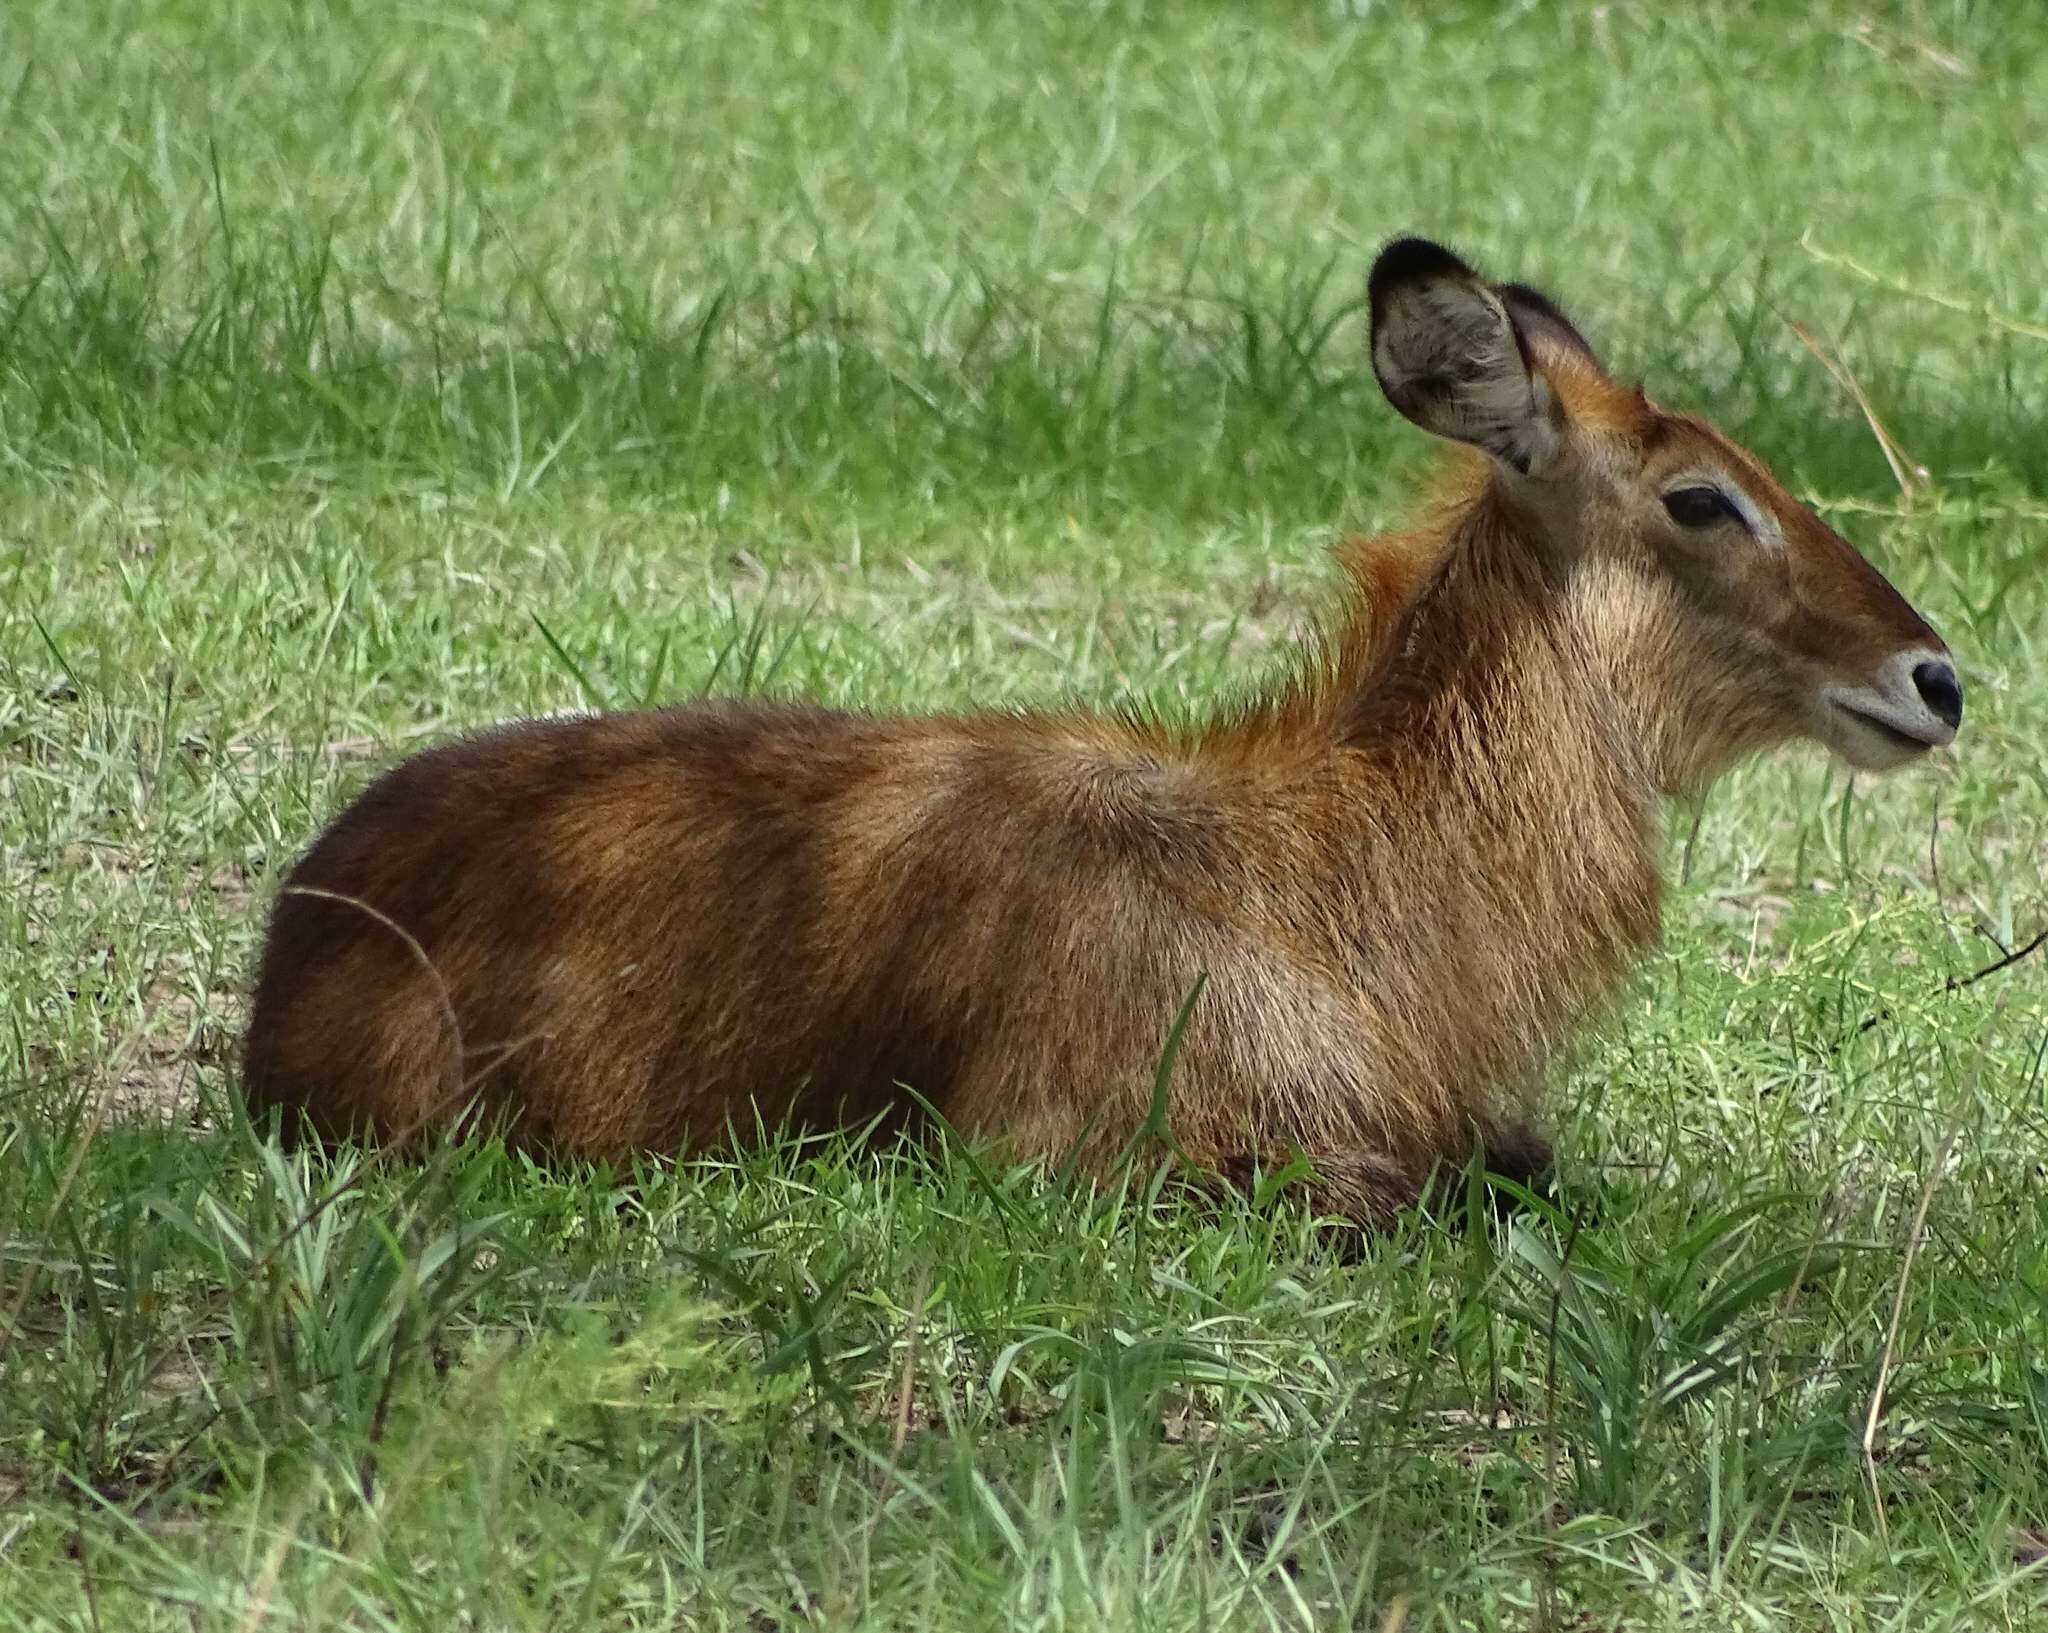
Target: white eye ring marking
x: 1754, y: 516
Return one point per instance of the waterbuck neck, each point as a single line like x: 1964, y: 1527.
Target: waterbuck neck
x: 1514, y: 811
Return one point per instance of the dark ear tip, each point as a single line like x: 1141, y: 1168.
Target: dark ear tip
x: 1410, y: 260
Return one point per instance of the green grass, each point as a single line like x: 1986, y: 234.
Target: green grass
x: 368, y: 372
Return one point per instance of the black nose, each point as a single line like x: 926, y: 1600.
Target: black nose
x: 1940, y: 690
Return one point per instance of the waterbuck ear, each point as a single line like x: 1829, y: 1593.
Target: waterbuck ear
x: 1535, y: 313
x: 1450, y: 356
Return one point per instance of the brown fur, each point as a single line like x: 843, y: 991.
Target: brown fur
x: 1406, y: 877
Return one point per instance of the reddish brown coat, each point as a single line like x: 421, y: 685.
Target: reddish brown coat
x: 1405, y: 878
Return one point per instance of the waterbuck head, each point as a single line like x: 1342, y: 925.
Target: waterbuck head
x: 1723, y: 614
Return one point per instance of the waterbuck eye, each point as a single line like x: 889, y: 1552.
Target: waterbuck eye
x: 1700, y: 507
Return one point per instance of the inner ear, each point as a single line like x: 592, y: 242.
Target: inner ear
x: 1450, y: 356
x: 1536, y: 313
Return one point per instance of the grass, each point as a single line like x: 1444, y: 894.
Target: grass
x: 369, y: 372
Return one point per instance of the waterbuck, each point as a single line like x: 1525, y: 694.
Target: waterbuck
x: 1400, y: 879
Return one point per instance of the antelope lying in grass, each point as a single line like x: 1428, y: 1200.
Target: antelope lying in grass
x: 1405, y: 876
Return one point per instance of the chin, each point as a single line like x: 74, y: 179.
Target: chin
x: 1865, y: 748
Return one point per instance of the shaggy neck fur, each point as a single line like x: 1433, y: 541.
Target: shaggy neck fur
x: 1484, y: 798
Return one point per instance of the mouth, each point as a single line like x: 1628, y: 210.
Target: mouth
x: 1908, y: 706
x: 1874, y: 741
x: 1897, y: 736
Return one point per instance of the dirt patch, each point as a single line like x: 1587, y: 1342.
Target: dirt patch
x: 127, y: 868
x: 158, y: 1080
x: 158, y: 1040
x: 227, y: 887
x: 281, y: 750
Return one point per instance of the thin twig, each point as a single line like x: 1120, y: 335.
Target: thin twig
x: 386, y: 1151
x: 85, y: 1577
x: 1546, y: 1581
x: 381, y: 1413
x: 905, y: 1394
x: 1981, y: 310
x: 460, y: 1080
x: 1905, y: 469
x: 1956, y: 983
x: 420, y: 957
x: 1692, y: 839
x: 907, y: 1384
x: 264, y: 1588
x: 1889, y: 1353
x: 1934, y: 871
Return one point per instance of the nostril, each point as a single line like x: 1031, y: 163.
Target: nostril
x: 1940, y: 690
